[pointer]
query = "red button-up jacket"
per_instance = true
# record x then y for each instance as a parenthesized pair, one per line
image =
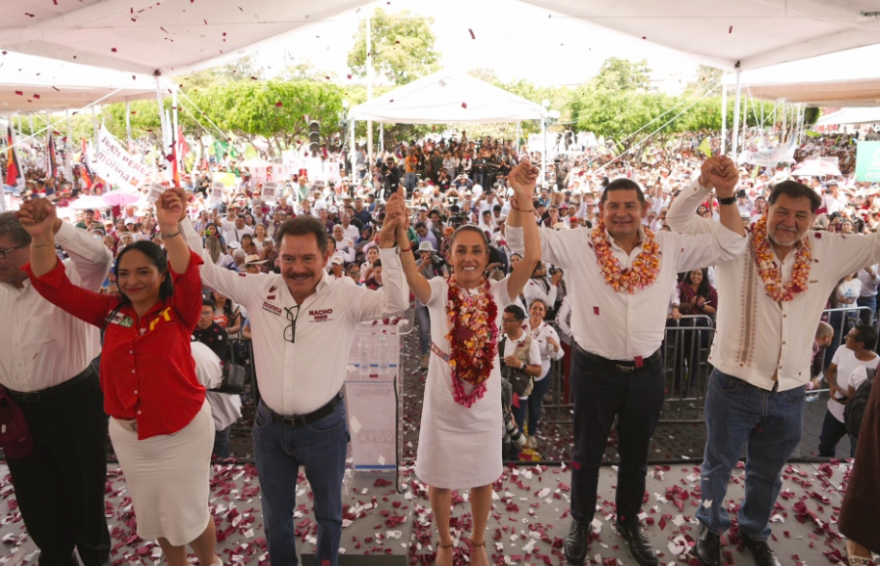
(147, 368)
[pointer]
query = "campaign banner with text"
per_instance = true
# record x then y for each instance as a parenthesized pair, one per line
(868, 162)
(117, 166)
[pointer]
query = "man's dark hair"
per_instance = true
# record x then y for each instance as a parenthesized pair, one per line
(623, 184)
(866, 335)
(209, 302)
(420, 225)
(795, 190)
(516, 311)
(304, 225)
(9, 224)
(377, 263)
(156, 256)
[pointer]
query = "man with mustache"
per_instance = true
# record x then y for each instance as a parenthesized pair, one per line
(771, 298)
(304, 322)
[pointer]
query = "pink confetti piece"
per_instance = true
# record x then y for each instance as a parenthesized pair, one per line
(472, 33)
(37, 96)
(206, 22)
(730, 30)
(464, 105)
(113, 49)
(19, 93)
(56, 88)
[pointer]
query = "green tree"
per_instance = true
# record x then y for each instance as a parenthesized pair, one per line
(622, 75)
(706, 76)
(402, 46)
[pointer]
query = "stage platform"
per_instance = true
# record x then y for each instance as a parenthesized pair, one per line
(527, 525)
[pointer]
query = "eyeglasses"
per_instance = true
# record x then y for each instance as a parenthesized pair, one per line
(4, 253)
(292, 315)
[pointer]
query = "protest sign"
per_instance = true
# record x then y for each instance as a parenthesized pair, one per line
(868, 162)
(117, 166)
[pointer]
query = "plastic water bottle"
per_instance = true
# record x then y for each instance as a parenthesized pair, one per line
(383, 353)
(363, 357)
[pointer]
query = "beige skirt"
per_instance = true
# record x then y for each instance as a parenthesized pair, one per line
(168, 478)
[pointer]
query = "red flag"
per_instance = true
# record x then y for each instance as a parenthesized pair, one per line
(85, 172)
(174, 167)
(182, 146)
(13, 171)
(51, 159)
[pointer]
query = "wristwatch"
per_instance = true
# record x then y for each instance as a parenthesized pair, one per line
(728, 200)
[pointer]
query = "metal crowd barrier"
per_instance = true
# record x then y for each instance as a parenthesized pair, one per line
(686, 368)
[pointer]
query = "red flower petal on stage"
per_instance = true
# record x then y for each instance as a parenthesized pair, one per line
(464, 105)
(113, 49)
(472, 33)
(19, 93)
(37, 96)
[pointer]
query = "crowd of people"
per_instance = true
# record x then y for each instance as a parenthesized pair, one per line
(511, 274)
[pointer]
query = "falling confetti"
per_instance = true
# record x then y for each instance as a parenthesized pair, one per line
(279, 104)
(472, 33)
(254, 79)
(730, 30)
(464, 105)
(56, 88)
(19, 93)
(37, 96)
(113, 49)
(206, 22)
(29, 15)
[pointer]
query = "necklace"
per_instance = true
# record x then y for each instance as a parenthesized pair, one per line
(644, 269)
(473, 336)
(769, 271)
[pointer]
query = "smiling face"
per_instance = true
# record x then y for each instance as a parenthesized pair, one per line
(138, 278)
(301, 263)
(623, 213)
(537, 311)
(788, 220)
(469, 257)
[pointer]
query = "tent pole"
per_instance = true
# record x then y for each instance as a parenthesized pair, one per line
(723, 118)
(95, 125)
(735, 139)
(128, 124)
(381, 138)
(352, 152)
(784, 122)
(544, 152)
(369, 61)
(68, 148)
(176, 130)
(31, 123)
(161, 113)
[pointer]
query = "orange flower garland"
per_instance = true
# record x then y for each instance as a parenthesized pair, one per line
(769, 270)
(473, 337)
(644, 269)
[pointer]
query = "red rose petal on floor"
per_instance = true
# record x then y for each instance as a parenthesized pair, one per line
(472, 33)
(464, 105)
(19, 93)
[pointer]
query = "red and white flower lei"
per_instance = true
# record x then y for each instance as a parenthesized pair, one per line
(473, 337)
(644, 269)
(769, 270)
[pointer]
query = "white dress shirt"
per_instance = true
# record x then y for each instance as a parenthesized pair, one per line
(757, 338)
(548, 353)
(617, 325)
(535, 289)
(43, 345)
(869, 283)
(225, 407)
(301, 377)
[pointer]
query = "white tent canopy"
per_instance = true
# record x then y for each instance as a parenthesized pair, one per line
(836, 80)
(179, 36)
(447, 98)
(46, 84)
(851, 116)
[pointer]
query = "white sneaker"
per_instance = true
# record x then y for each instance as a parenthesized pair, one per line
(533, 442)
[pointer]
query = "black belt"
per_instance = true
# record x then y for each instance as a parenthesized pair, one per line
(303, 420)
(49, 392)
(621, 365)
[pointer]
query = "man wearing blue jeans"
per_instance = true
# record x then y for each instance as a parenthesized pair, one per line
(767, 297)
(617, 333)
(303, 324)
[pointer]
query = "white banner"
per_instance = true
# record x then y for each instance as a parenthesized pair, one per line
(768, 157)
(117, 166)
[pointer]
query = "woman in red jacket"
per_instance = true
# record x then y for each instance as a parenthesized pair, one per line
(161, 425)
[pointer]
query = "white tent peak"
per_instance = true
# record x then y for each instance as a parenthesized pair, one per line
(447, 97)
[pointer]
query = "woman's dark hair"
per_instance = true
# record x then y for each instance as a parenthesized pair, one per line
(468, 228)
(304, 225)
(516, 311)
(703, 289)
(795, 190)
(156, 256)
(623, 184)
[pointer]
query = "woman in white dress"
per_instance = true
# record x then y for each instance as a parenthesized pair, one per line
(460, 435)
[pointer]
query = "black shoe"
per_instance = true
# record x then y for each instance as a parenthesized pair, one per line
(708, 549)
(761, 552)
(639, 545)
(576, 543)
